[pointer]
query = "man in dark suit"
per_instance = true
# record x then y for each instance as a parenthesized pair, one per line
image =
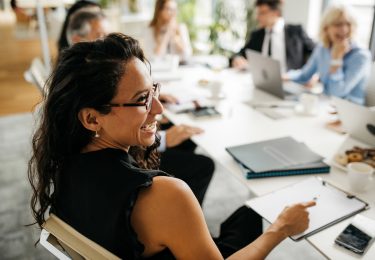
(287, 43)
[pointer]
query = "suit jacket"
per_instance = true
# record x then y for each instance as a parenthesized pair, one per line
(298, 45)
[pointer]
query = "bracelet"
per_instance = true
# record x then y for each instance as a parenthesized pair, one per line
(336, 62)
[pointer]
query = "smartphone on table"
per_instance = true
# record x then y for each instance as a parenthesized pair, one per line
(354, 239)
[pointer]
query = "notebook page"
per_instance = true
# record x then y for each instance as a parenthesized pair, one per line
(331, 203)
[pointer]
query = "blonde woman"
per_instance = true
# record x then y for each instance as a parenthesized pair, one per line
(164, 35)
(343, 67)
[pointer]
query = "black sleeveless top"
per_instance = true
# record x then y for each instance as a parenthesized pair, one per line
(96, 193)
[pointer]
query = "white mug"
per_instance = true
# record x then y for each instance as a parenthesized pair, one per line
(359, 175)
(175, 61)
(216, 87)
(309, 103)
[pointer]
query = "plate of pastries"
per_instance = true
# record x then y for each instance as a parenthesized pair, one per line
(356, 154)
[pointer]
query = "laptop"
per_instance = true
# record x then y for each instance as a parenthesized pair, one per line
(266, 74)
(358, 121)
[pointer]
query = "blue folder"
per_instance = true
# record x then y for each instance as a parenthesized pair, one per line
(277, 157)
(320, 167)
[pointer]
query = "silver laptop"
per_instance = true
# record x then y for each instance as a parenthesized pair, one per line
(358, 121)
(266, 74)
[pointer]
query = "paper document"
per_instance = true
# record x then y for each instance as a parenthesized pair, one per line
(332, 204)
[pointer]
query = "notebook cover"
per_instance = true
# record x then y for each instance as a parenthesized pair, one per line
(253, 175)
(312, 168)
(274, 155)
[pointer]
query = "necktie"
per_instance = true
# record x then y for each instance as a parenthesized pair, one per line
(270, 43)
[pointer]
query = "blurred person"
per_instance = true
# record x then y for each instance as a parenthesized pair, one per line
(102, 102)
(286, 43)
(165, 35)
(342, 66)
(22, 15)
(86, 26)
(86, 5)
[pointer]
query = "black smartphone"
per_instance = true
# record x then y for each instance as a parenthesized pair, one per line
(205, 112)
(354, 239)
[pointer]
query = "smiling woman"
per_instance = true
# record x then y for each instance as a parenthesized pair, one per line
(343, 66)
(131, 121)
(101, 102)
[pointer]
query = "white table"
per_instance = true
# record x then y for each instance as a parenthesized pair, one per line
(241, 124)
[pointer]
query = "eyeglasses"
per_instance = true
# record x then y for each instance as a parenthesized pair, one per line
(152, 93)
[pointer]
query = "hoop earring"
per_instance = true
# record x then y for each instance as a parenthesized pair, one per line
(96, 134)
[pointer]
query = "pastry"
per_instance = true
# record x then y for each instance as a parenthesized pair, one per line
(355, 157)
(341, 159)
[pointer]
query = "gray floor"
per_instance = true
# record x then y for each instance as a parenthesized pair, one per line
(225, 194)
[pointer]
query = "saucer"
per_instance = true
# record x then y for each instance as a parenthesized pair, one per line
(218, 97)
(301, 111)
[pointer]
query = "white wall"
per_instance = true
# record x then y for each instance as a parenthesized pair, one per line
(304, 12)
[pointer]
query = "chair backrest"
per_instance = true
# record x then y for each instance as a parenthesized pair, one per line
(37, 74)
(370, 89)
(65, 242)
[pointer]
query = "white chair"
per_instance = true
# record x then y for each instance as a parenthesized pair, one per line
(66, 243)
(370, 89)
(37, 74)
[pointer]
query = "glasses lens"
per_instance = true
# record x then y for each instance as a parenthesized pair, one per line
(157, 90)
(154, 93)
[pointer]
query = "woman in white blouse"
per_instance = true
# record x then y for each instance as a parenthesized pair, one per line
(164, 35)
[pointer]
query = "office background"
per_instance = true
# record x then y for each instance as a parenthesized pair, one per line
(20, 43)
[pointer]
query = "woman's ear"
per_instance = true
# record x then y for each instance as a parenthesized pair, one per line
(89, 118)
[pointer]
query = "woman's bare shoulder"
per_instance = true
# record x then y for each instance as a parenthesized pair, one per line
(167, 214)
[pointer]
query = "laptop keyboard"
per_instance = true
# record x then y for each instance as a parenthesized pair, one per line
(271, 113)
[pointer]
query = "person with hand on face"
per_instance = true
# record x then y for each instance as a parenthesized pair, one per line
(165, 35)
(101, 102)
(286, 43)
(343, 67)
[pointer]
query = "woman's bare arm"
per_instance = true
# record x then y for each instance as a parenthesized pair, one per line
(167, 215)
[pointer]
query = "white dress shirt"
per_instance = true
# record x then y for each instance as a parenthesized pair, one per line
(277, 36)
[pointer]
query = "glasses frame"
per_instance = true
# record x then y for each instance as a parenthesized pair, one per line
(152, 93)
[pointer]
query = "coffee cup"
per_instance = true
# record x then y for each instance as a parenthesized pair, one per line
(215, 88)
(359, 175)
(309, 103)
(175, 61)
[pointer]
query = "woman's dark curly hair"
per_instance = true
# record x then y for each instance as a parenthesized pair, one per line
(87, 75)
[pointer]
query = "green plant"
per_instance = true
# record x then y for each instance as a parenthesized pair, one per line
(107, 3)
(104, 3)
(186, 14)
(222, 18)
(133, 6)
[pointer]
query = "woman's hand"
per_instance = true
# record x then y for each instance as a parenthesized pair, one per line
(293, 220)
(312, 82)
(340, 48)
(172, 27)
(169, 99)
(180, 133)
(240, 63)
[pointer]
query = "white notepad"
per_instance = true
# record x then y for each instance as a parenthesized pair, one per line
(332, 204)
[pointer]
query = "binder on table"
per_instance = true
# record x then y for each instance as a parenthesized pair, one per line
(332, 204)
(277, 157)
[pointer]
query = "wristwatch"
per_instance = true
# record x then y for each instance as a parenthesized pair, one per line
(336, 62)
